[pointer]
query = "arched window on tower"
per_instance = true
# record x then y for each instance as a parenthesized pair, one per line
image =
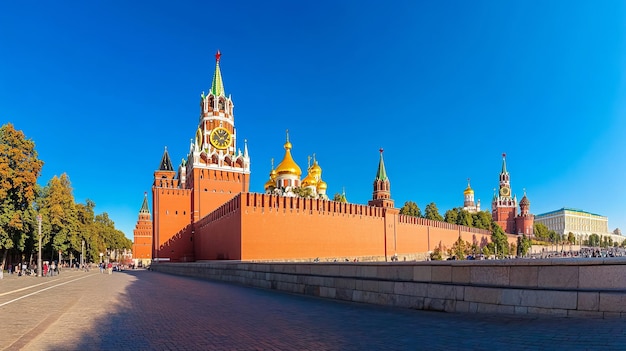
(221, 105)
(211, 103)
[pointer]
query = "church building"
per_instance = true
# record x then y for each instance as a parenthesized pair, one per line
(468, 200)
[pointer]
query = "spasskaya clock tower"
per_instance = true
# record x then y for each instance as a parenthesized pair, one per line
(214, 171)
(504, 206)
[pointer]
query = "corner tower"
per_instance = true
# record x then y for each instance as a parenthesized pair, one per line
(142, 243)
(382, 187)
(503, 206)
(216, 170)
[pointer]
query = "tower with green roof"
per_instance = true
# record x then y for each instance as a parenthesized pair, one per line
(382, 187)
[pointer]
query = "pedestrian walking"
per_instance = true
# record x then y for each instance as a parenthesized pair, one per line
(1, 271)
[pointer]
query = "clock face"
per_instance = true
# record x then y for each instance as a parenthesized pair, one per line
(504, 191)
(220, 138)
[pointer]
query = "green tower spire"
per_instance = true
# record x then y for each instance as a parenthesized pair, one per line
(504, 163)
(381, 174)
(144, 205)
(217, 86)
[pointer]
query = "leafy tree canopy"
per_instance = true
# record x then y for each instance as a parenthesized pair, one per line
(64, 224)
(340, 198)
(19, 170)
(431, 212)
(410, 208)
(542, 232)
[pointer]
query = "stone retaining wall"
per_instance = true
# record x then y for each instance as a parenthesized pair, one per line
(561, 287)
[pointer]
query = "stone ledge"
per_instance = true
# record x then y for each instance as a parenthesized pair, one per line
(547, 287)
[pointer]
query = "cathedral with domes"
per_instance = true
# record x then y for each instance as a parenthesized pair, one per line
(468, 204)
(204, 210)
(285, 179)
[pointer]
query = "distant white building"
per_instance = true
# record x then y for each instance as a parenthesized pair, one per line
(579, 222)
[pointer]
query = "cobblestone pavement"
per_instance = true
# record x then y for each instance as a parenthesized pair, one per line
(144, 310)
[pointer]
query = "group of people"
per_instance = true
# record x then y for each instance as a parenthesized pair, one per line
(21, 269)
(106, 266)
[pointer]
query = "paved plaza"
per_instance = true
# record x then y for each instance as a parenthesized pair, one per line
(145, 310)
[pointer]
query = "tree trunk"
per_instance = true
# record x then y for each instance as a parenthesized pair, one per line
(4, 256)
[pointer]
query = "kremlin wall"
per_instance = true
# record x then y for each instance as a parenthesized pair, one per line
(262, 227)
(205, 211)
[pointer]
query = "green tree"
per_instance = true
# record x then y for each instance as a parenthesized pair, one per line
(305, 192)
(19, 170)
(465, 218)
(60, 221)
(410, 208)
(431, 212)
(594, 240)
(571, 238)
(554, 237)
(499, 241)
(87, 231)
(482, 220)
(436, 255)
(542, 233)
(523, 245)
(112, 238)
(451, 216)
(460, 249)
(339, 198)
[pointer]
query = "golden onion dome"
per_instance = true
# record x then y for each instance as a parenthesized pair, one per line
(468, 191)
(321, 185)
(269, 184)
(309, 180)
(288, 165)
(316, 169)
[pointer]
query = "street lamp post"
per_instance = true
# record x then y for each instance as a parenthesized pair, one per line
(39, 253)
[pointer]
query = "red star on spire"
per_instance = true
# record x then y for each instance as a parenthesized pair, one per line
(381, 150)
(217, 56)
(503, 154)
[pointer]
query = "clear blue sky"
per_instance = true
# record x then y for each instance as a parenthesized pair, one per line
(445, 87)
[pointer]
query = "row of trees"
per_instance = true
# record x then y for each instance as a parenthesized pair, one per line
(543, 233)
(65, 224)
(499, 245)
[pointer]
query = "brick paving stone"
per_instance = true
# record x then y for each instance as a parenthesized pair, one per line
(144, 310)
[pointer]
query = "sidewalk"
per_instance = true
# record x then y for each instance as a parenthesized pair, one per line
(12, 282)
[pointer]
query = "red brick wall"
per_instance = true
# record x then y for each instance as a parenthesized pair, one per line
(505, 217)
(295, 228)
(265, 227)
(218, 235)
(172, 213)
